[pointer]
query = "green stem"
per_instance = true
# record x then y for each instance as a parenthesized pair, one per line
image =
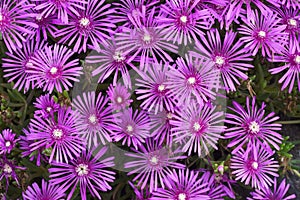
(289, 122)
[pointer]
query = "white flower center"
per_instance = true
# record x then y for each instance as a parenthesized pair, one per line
(169, 115)
(154, 160)
(53, 70)
(57, 133)
(119, 100)
(161, 88)
(39, 17)
(254, 127)
(118, 56)
(254, 165)
(196, 126)
(29, 64)
(82, 169)
(147, 38)
(129, 128)
(297, 59)
(1, 17)
(182, 196)
(84, 21)
(92, 119)
(48, 109)
(262, 34)
(183, 19)
(219, 60)
(192, 80)
(7, 169)
(292, 22)
(7, 143)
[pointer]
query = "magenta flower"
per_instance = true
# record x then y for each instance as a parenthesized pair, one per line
(252, 125)
(254, 165)
(278, 193)
(47, 191)
(7, 141)
(185, 184)
(153, 163)
(8, 171)
(46, 106)
(89, 26)
(119, 97)
(228, 57)
(290, 3)
(62, 8)
(60, 135)
(93, 119)
(291, 67)
(264, 32)
(52, 68)
(88, 171)
(192, 79)
(198, 127)
(132, 127)
(13, 17)
(182, 22)
(18, 62)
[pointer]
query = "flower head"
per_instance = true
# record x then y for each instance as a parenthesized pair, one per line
(7, 141)
(8, 171)
(46, 106)
(119, 97)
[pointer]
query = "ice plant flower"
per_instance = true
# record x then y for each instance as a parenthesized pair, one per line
(132, 127)
(182, 22)
(13, 16)
(119, 97)
(229, 57)
(277, 193)
(291, 68)
(8, 171)
(152, 164)
(52, 68)
(88, 171)
(265, 33)
(94, 118)
(251, 125)
(46, 106)
(89, 26)
(60, 135)
(47, 191)
(7, 141)
(254, 165)
(198, 127)
(152, 88)
(16, 65)
(192, 79)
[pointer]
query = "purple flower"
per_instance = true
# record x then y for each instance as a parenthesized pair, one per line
(264, 32)
(89, 171)
(290, 3)
(47, 191)
(252, 125)
(18, 62)
(46, 106)
(62, 8)
(7, 141)
(13, 16)
(191, 79)
(182, 22)
(60, 135)
(152, 88)
(52, 69)
(94, 118)
(119, 97)
(153, 163)
(291, 67)
(8, 170)
(198, 127)
(278, 193)
(131, 127)
(184, 185)
(254, 165)
(228, 57)
(89, 26)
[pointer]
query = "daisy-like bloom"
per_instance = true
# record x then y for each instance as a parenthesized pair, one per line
(291, 58)
(46, 106)
(13, 17)
(264, 32)
(184, 185)
(182, 22)
(252, 125)
(254, 165)
(62, 8)
(8, 171)
(18, 62)
(132, 127)
(94, 118)
(153, 163)
(191, 79)
(52, 68)
(88, 171)
(91, 26)
(199, 127)
(153, 89)
(145, 39)
(47, 191)
(119, 97)
(7, 141)
(60, 135)
(140, 194)
(111, 60)
(278, 193)
(228, 57)
(290, 3)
